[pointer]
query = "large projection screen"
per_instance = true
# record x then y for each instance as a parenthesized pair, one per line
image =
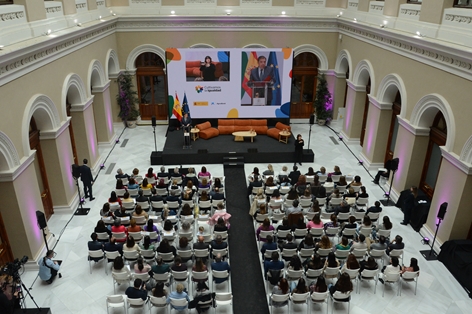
(230, 84)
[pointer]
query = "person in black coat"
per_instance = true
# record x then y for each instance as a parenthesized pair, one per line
(409, 205)
(94, 245)
(299, 143)
(294, 175)
(112, 246)
(87, 179)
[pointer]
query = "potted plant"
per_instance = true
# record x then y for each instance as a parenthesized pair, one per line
(127, 99)
(323, 103)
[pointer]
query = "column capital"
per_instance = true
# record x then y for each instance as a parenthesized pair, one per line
(378, 104)
(415, 130)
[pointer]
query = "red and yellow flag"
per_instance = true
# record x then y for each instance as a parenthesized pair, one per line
(248, 65)
(177, 110)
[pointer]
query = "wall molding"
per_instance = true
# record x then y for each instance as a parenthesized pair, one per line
(53, 134)
(417, 131)
(11, 175)
(455, 160)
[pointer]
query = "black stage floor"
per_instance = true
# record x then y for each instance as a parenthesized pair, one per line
(263, 149)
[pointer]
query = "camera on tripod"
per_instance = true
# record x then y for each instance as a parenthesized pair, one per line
(12, 268)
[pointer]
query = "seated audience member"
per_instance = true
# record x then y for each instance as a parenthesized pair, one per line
(101, 228)
(165, 247)
(131, 245)
(396, 244)
(139, 212)
(178, 266)
(218, 244)
(284, 226)
(276, 201)
(362, 193)
(120, 175)
(281, 288)
(297, 220)
(336, 171)
(138, 291)
(127, 198)
(344, 207)
(342, 181)
(274, 263)
(190, 176)
(168, 228)
(268, 245)
(413, 266)
(361, 244)
(255, 172)
(176, 174)
(370, 264)
(315, 207)
(294, 175)
(391, 269)
(329, 184)
(158, 291)
(150, 174)
(319, 286)
(269, 171)
(132, 184)
(113, 198)
(366, 224)
(179, 293)
(300, 287)
(350, 224)
(351, 263)
(289, 244)
(285, 181)
(384, 173)
(119, 267)
(320, 192)
(343, 285)
(122, 213)
(150, 227)
(385, 225)
(307, 243)
(310, 172)
(270, 182)
(381, 245)
(105, 212)
(204, 184)
(94, 245)
(325, 243)
(133, 227)
(163, 173)
(141, 197)
(174, 196)
(216, 195)
(375, 208)
(186, 210)
(160, 267)
(306, 194)
(120, 185)
(355, 182)
(183, 244)
(295, 208)
(255, 183)
(291, 195)
(331, 262)
(322, 171)
(147, 245)
(145, 185)
(112, 246)
(283, 174)
(265, 226)
(140, 267)
(202, 295)
(258, 201)
(204, 173)
(118, 228)
(220, 265)
(220, 225)
(343, 245)
(314, 262)
(300, 185)
(161, 184)
(332, 223)
(199, 266)
(200, 244)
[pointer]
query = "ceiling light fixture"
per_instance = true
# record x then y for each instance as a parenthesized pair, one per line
(172, 12)
(283, 12)
(48, 32)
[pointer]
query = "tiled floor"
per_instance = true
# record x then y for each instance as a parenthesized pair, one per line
(81, 292)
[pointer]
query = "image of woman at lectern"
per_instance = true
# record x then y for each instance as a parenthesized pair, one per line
(208, 69)
(299, 143)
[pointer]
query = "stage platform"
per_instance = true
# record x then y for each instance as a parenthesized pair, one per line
(264, 149)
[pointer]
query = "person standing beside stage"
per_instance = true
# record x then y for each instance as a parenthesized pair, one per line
(299, 143)
(87, 179)
(409, 205)
(208, 69)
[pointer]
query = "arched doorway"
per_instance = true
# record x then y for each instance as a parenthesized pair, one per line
(152, 86)
(35, 144)
(392, 133)
(304, 82)
(366, 112)
(71, 133)
(346, 87)
(432, 163)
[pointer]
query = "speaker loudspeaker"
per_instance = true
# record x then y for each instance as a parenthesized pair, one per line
(75, 171)
(394, 164)
(312, 119)
(153, 120)
(41, 219)
(442, 211)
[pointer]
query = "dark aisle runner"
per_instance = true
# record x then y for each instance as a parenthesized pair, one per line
(246, 277)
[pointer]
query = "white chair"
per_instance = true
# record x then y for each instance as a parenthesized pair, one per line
(299, 233)
(331, 272)
(222, 252)
(339, 297)
(189, 202)
(137, 236)
(186, 255)
(343, 217)
(140, 220)
(165, 277)
(282, 234)
(353, 274)
(397, 253)
(370, 275)
(119, 278)
(119, 236)
(391, 278)
(288, 253)
(144, 277)
(341, 254)
(377, 254)
(280, 298)
(301, 298)
(381, 232)
(220, 275)
(130, 256)
(293, 275)
(173, 205)
(261, 217)
(223, 298)
(120, 192)
(133, 193)
(313, 273)
(154, 236)
(144, 205)
(138, 179)
(359, 215)
(268, 254)
(356, 188)
(316, 232)
(110, 258)
(161, 191)
(284, 190)
(157, 302)
(203, 254)
(359, 253)
(335, 177)
(178, 303)
(341, 188)
(362, 202)
(349, 232)
(310, 179)
(115, 301)
(167, 257)
(320, 298)
(147, 192)
(95, 256)
(322, 178)
(335, 201)
(157, 205)
(103, 237)
(180, 276)
(323, 252)
(367, 232)
(332, 231)
(223, 234)
(305, 253)
(263, 235)
(198, 276)
(305, 202)
(148, 255)
(277, 216)
(128, 205)
(374, 216)
(409, 276)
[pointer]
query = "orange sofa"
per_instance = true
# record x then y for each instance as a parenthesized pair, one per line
(206, 131)
(228, 126)
(192, 69)
(274, 132)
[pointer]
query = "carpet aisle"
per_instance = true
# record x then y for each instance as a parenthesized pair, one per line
(246, 277)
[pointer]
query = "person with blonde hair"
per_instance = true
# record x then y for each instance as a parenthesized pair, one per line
(179, 293)
(258, 200)
(269, 171)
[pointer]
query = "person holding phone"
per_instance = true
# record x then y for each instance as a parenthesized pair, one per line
(208, 69)
(137, 291)
(48, 269)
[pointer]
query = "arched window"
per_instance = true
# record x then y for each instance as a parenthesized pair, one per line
(152, 86)
(432, 163)
(366, 112)
(304, 81)
(392, 133)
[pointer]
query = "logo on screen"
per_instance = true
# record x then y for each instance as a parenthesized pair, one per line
(199, 89)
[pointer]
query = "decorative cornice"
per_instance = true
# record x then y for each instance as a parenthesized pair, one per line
(22, 61)
(82, 107)
(310, 2)
(51, 10)
(460, 19)
(411, 12)
(442, 56)
(378, 104)
(455, 160)
(53, 134)
(354, 87)
(138, 2)
(201, 2)
(377, 7)
(101, 89)
(11, 175)
(340, 75)
(417, 131)
(255, 2)
(18, 15)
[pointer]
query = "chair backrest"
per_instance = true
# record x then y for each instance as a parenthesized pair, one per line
(391, 277)
(144, 277)
(294, 274)
(352, 273)
(280, 298)
(119, 235)
(200, 275)
(115, 299)
(263, 234)
(396, 253)
(374, 216)
(131, 255)
(299, 232)
(144, 205)
(185, 254)
(137, 236)
(335, 201)
(148, 254)
(220, 274)
(310, 179)
(161, 191)
(140, 220)
(180, 275)
(201, 253)
(313, 273)
(267, 254)
(284, 189)
(369, 273)
(305, 253)
(173, 204)
(335, 177)
(359, 253)
(178, 302)
(261, 217)
(133, 192)
(322, 177)
(365, 231)
(120, 276)
(286, 253)
(112, 255)
(338, 296)
(300, 297)
(319, 296)
(343, 216)
(120, 192)
(321, 201)
(102, 236)
(330, 231)
(362, 201)
(128, 205)
(204, 204)
(341, 188)
(377, 253)
(95, 255)
(223, 298)
(410, 275)
(384, 232)
(341, 254)
(167, 257)
(161, 277)
(223, 252)
(189, 202)
(278, 216)
(153, 235)
(316, 232)
(223, 234)
(159, 302)
(356, 188)
(157, 204)
(349, 232)
(331, 271)
(147, 192)
(359, 215)
(323, 252)
(305, 202)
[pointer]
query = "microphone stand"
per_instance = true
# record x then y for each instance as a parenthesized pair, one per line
(387, 202)
(155, 143)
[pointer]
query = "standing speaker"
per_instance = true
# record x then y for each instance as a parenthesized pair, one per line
(394, 164)
(312, 119)
(75, 171)
(41, 219)
(442, 211)
(153, 120)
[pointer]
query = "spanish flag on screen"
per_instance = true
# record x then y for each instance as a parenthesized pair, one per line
(177, 110)
(249, 62)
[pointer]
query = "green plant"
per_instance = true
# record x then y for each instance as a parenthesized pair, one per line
(323, 103)
(127, 98)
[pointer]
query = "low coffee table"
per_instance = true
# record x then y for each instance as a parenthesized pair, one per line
(284, 136)
(194, 133)
(240, 135)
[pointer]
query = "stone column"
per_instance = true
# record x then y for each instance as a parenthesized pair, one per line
(363, 5)
(92, 4)
(339, 92)
(376, 133)
(432, 10)
(57, 150)
(83, 122)
(342, 4)
(113, 88)
(69, 7)
(103, 113)
(410, 149)
(392, 7)
(355, 103)
(34, 9)
(453, 186)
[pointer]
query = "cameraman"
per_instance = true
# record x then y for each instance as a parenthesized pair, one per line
(48, 269)
(7, 300)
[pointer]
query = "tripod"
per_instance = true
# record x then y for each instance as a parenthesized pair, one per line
(21, 287)
(155, 143)
(430, 255)
(388, 202)
(80, 209)
(309, 137)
